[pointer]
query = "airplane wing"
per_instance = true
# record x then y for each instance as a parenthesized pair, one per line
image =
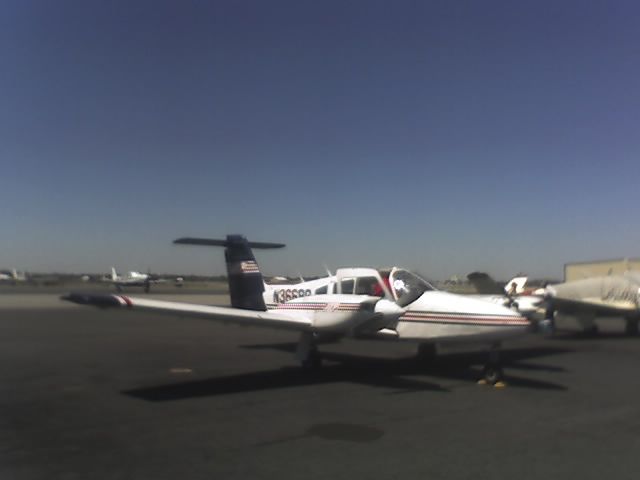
(595, 305)
(613, 295)
(282, 320)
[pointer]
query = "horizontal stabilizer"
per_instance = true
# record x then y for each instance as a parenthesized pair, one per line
(213, 242)
(245, 280)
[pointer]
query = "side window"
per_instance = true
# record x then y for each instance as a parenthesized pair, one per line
(321, 290)
(346, 286)
(368, 286)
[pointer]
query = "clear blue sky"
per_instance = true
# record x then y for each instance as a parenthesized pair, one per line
(442, 136)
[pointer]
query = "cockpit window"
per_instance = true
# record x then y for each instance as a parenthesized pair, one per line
(407, 287)
(321, 290)
(368, 286)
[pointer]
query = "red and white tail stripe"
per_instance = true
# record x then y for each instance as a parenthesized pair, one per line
(249, 266)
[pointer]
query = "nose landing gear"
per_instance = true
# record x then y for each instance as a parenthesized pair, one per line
(492, 373)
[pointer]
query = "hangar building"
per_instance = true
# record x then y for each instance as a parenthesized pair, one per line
(579, 270)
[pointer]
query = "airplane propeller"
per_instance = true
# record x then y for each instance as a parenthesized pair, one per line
(326, 269)
(546, 325)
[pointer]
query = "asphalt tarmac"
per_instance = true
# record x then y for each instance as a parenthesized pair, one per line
(100, 394)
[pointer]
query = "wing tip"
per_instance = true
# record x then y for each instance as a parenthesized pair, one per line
(97, 300)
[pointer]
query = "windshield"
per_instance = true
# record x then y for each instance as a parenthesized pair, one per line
(406, 286)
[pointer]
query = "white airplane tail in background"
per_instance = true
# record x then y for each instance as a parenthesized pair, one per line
(515, 286)
(485, 285)
(114, 274)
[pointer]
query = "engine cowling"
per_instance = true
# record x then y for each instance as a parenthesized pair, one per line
(370, 314)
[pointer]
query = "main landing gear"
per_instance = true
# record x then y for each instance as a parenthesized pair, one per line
(587, 322)
(492, 373)
(631, 327)
(307, 352)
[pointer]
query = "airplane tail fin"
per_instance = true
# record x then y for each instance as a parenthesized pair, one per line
(484, 284)
(114, 274)
(245, 280)
(515, 286)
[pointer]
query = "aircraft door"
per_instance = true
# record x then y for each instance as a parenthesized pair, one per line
(361, 281)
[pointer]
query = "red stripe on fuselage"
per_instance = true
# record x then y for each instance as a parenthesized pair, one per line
(457, 318)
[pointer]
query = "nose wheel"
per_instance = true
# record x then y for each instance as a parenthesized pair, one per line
(492, 373)
(313, 361)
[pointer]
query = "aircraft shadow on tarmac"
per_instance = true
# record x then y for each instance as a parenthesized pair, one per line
(375, 372)
(582, 335)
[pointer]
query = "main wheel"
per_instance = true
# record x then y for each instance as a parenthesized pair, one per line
(631, 328)
(492, 373)
(312, 362)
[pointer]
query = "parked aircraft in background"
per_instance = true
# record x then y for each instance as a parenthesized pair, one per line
(131, 279)
(360, 303)
(590, 298)
(512, 295)
(485, 285)
(12, 276)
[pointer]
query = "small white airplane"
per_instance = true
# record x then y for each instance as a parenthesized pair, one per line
(512, 295)
(394, 305)
(602, 296)
(13, 276)
(131, 279)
